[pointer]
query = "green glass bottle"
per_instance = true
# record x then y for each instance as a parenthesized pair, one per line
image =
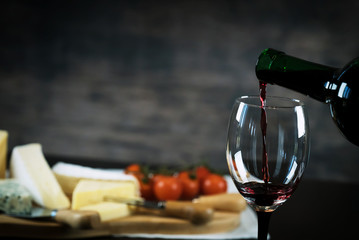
(337, 87)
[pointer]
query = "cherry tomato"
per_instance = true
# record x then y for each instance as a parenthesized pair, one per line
(146, 190)
(190, 185)
(137, 174)
(143, 180)
(214, 184)
(167, 188)
(202, 172)
(133, 168)
(155, 177)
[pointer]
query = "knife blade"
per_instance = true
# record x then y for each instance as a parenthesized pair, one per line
(194, 212)
(77, 219)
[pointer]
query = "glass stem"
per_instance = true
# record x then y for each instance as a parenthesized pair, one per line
(263, 224)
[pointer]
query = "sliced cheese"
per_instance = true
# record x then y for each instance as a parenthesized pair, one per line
(88, 192)
(3, 152)
(109, 210)
(28, 165)
(68, 175)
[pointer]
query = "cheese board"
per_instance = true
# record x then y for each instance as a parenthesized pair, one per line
(138, 223)
(72, 188)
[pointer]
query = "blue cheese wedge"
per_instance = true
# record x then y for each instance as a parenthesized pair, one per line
(14, 198)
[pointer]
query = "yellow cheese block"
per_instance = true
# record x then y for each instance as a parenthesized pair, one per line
(28, 165)
(3, 152)
(109, 210)
(88, 192)
(68, 175)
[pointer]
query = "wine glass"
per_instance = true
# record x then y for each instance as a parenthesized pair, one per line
(267, 152)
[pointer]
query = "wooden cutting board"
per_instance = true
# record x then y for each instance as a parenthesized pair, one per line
(139, 223)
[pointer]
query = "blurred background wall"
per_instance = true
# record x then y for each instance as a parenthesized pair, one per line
(154, 81)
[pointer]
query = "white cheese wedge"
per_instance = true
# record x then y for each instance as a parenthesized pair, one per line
(28, 165)
(68, 175)
(88, 192)
(3, 152)
(109, 210)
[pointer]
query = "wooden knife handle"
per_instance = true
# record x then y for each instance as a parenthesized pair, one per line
(232, 202)
(78, 219)
(195, 213)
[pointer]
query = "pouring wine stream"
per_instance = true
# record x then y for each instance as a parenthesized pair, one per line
(263, 217)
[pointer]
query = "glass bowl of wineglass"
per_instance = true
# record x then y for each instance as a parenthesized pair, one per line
(267, 151)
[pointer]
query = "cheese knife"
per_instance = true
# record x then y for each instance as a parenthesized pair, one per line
(194, 212)
(77, 219)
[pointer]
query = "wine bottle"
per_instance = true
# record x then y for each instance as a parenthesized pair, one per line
(339, 87)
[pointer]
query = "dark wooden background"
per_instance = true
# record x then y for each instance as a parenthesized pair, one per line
(154, 81)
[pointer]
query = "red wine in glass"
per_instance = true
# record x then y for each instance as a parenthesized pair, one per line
(267, 151)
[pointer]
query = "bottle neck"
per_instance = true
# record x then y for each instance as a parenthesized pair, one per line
(306, 77)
